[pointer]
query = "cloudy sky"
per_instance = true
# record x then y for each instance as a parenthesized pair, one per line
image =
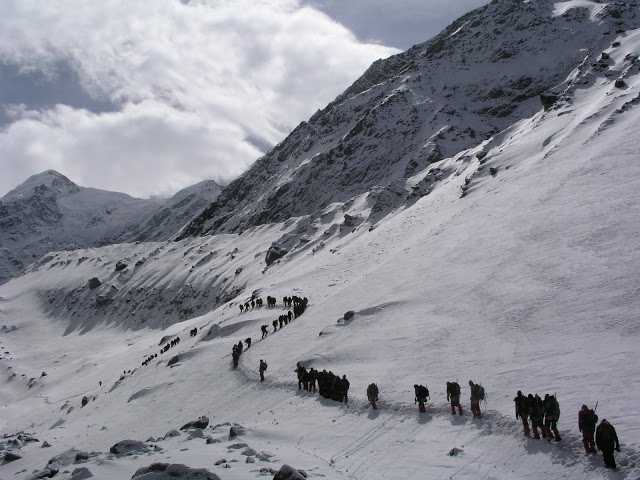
(147, 97)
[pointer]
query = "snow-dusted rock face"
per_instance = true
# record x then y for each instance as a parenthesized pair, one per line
(49, 212)
(177, 211)
(483, 73)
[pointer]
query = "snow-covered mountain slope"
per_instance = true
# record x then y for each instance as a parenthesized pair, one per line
(49, 212)
(526, 281)
(483, 73)
(177, 211)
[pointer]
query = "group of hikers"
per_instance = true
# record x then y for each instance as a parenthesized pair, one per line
(329, 385)
(172, 343)
(543, 415)
(477, 395)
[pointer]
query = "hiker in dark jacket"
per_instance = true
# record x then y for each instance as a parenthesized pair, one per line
(477, 395)
(607, 441)
(422, 393)
(300, 372)
(587, 421)
(551, 417)
(453, 396)
(522, 411)
(262, 369)
(372, 395)
(536, 414)
(345, 389)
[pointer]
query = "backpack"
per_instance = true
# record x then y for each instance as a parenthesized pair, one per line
(455, 388)
(424, 391)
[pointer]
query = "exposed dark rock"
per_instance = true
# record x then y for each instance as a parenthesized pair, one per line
(165, 471)
(275, 252)
(201, 423)
(620, 83)
(9, 457)
(287, 472)
(548, 100)
(129, 447)
(94, 283)
(175, 359)
(236, 431)
(81, 474)
(348, 315)
(120, 265)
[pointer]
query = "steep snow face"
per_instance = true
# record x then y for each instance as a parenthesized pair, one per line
(479, 76)
(529, 281)
(49, 212)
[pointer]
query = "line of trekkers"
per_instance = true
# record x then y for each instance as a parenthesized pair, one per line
(298, 305)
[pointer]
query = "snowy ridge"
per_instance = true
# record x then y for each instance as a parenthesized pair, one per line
(479, 76)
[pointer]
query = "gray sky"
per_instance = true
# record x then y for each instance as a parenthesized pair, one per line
(147, 97)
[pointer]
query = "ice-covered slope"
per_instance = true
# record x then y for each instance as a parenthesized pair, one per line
(529, 281)
(483, 73)
(49, 212)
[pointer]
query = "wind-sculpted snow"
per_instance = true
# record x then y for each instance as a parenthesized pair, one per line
(482, 74)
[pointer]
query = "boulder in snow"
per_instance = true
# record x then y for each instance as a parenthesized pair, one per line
(81, 474)
(94, 283)
(287, 472)
(129, 447)
(165, 471)
(9, 457)
(173, 360)
(120, 265)
(275, 252)
(201, 423)
(236, 431)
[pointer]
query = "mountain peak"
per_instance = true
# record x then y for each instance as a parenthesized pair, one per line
(47, 181)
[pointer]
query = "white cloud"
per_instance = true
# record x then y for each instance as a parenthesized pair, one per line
(194, 87)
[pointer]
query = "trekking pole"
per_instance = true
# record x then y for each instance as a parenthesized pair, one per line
(596, 407)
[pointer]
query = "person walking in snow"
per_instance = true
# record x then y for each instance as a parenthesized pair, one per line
(345, 389)
(422, 394)
(551, 417)
(372, 395)
(607, 442)
(262, 369)
(587, 421)
(248, 342)
(477, 395)
(522, 411)
(536, 414)
(453, 396)
(264, 330)
(300, 373)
